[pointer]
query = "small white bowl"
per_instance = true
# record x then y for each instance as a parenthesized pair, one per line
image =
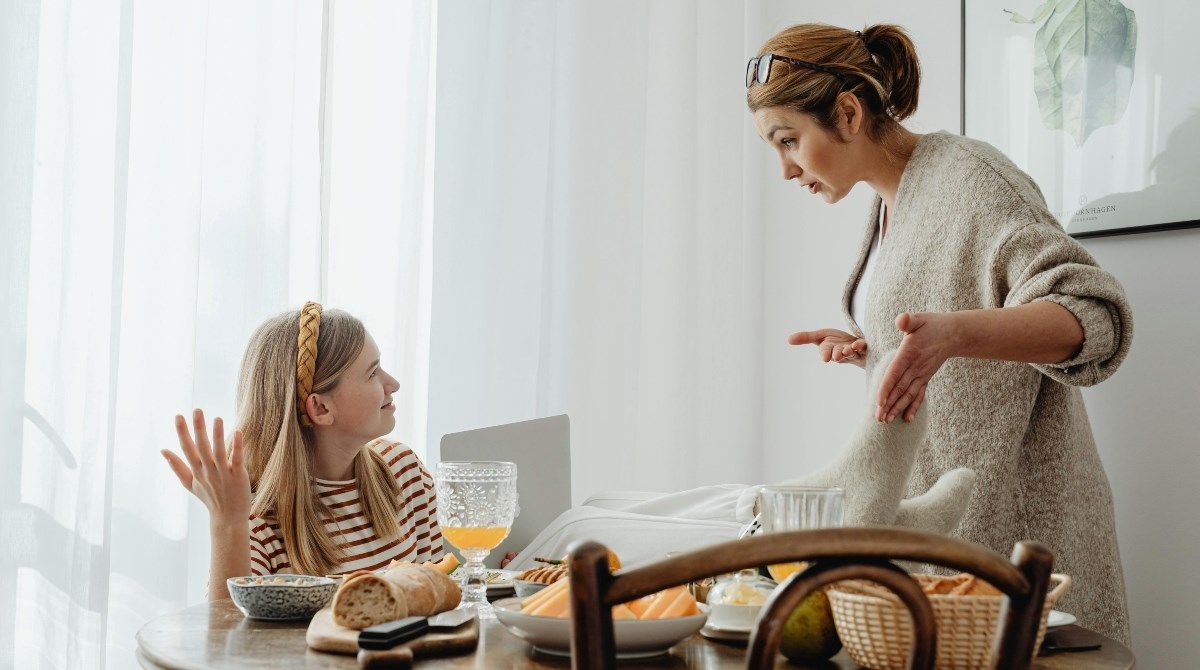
(281, 597)
(733, 617)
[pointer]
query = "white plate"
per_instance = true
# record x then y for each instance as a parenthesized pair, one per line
(499, 582)
(500, 579)
(635, 639)
(1057, 619)
(725, 634)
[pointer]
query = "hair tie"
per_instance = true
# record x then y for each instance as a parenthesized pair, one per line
(306, 356)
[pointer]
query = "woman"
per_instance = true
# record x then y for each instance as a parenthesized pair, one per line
(322, 494)
(998, 316)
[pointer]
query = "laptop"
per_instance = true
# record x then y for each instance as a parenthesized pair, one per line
(541, 448)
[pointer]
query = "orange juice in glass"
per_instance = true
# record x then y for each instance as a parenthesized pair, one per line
(477, 501)
(784, 508)
(463, 537)
(782, 571)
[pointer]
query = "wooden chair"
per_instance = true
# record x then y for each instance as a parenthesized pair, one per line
(833, 554)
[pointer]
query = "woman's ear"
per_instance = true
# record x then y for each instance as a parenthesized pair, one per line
(850, 114)
(319, 409)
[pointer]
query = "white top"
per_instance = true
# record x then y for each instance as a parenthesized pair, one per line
(858, 304)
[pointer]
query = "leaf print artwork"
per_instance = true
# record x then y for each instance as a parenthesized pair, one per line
(1083, 63)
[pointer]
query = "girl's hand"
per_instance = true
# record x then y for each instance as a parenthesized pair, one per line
(928, 341)
(835, 345)
(217, 477)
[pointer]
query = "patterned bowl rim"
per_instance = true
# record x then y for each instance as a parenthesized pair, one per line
(289, 582)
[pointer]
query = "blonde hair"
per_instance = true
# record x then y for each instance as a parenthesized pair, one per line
(878, 65)
(280, 450)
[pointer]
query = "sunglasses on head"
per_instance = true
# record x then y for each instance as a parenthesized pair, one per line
(759, 68)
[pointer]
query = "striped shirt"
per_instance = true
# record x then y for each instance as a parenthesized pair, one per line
(420, 538)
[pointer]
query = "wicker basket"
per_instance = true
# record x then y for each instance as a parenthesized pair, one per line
(876, 628)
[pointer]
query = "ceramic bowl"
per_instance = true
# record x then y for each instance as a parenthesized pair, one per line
(525, 588)
(281, 597)
(634, 638)
(733, 617)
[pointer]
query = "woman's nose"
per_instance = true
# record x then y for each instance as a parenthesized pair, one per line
(790, 169)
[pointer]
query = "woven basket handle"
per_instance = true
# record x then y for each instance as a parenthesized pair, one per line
(1061, 584)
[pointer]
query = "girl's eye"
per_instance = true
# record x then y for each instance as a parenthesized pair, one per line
(789, 142)
(374, 372)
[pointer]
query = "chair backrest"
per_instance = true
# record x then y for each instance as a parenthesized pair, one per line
(541, 448)
(833, 555)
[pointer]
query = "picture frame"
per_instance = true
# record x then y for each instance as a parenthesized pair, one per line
(1096, 99)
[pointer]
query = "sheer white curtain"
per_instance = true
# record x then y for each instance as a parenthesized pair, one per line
(598, 242)
(166, 182)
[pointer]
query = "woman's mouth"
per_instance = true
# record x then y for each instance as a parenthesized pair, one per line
(390, 405)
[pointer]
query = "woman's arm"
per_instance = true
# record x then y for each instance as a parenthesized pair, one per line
(1038, 332)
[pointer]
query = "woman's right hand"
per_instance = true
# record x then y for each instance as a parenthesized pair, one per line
(835, 345)
(216, 476)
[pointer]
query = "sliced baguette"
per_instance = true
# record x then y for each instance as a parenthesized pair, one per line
(405, 590)
(367, 600)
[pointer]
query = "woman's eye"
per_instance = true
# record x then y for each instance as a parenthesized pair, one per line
(374, 372)
(789, 142)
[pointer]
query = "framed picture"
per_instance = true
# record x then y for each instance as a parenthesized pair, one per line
(1098, 100)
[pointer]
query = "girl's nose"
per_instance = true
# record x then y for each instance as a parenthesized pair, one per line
(390, 383)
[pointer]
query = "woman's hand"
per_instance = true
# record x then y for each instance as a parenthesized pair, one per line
(216, 476)
(929, 339)
(835, 345)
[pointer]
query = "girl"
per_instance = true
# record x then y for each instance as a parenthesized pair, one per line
(998, 316)
(322, 493)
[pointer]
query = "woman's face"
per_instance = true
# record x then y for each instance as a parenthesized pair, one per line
(807, 152)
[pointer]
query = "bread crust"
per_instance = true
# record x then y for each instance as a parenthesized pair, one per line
(406, 590)
(367, 599)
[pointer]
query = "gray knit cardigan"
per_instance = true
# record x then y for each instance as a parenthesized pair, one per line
(971, 231)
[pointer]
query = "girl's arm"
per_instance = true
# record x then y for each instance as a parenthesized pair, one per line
(230, 554)
(219, 479)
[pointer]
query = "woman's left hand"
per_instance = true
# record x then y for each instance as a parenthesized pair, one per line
(928, 341)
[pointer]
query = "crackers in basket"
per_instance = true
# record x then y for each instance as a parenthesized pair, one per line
(962, 584)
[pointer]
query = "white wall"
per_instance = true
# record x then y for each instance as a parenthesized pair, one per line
(1142, 417)
(1144, 422)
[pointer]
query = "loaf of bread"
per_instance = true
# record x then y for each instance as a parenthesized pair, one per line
(366, 598)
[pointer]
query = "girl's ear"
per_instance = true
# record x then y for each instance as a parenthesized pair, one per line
(850, 113)
(319, 409)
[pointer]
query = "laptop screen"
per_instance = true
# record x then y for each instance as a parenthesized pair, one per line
(541, 448)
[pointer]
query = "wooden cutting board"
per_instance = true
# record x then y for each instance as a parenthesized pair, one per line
(325, 635)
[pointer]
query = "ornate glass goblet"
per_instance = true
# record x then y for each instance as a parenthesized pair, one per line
(477, 501)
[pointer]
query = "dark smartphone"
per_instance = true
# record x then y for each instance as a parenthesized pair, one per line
(1068, 639)
(392, 633)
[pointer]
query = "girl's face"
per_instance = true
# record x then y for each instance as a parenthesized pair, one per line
(362, 399)
(807, 152)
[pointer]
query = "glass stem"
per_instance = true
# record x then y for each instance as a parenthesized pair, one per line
(475, 577)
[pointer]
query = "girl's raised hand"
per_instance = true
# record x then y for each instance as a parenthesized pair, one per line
(213, 474)
(835, 345)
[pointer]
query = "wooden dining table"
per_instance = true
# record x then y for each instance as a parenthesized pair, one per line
(217, 635)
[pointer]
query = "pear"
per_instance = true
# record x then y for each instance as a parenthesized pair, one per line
(809, 634)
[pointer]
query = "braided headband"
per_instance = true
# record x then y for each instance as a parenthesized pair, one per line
(306, 356)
